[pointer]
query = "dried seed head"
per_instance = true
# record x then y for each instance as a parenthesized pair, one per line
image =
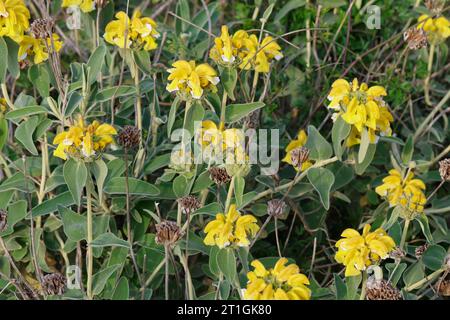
(420, 250)
(27, 292)
(276, 207)
(3, 220)
(444, 169)
(416, 38)
(299, 156)
(101, 3)
(42, 28)
(397, 254)
(189, 204)
(435, 6)
(219, 175)
(168, 233)
(443, 288)
(54, 284)
(381, 290)
(129, 137)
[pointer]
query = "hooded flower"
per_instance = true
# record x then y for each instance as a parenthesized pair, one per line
(362, 107)
(437, 29)
(260, 55)
(83, 141)
(191, 80)
(14, 19)
(357, 252)
(403, 190)
(84, 5)
(278, 283)
(230, 229)
(295, 144)
(128, 33)
(37, 48)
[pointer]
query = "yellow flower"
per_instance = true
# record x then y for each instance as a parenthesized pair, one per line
(404, 191)
(135, 32)
(294, 144)
(85, 5)
(362, 107)
(224, 49)
(278, 283)
(83, 141)
(191, 80)
(30, 46)
(230, 229)
(14, 19)
(437, 29)
(357, 252)
(260, 55)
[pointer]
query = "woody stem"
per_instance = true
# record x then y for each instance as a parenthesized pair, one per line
(404, 233)
(426, 84)
(89, 255)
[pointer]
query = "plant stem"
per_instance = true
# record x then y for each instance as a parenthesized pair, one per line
(89, 255)
(364, 285)
(426, 84)
(166, 276)
(222, 110)
(424, 280)
(229, 195)
(404, 233)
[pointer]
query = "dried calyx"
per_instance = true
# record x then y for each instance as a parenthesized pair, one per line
(444, 169)
(275, 207)
(129, 137)
(54, 284)
(381, 290)
(189, 204)
(219, 175)
(168, 233)
(42, 28)
(299, 156)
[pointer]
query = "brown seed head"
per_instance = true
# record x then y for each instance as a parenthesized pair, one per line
(443, 288)
(381, 290)
(129, 137)
(415, 38)
(275, 207)
(189, 204)
(42, 28)
(168, 233)
(3, 220)
(299, 156)
(54, 284)
(444, 169)
(219, 175)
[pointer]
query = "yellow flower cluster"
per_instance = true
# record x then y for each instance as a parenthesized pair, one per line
(437, 29)
(137, 32)
(84, 5)
(245, 50)
(362, 107)
(190, 80)
(83, 141)
(14, 19)
(280, 283)
(357, 252)
(30, 46)
(294, 144)
(231, 229)
(403, 190)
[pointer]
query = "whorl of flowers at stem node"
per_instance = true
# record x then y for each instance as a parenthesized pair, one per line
(275, 207)
(168, 233)
(129, 137)
(299, 156)
(189, 204)
(415, 38)
(3, 220)
(54, 284)
(42, 28)
(444, 169)
(219, 175)
(381, 290)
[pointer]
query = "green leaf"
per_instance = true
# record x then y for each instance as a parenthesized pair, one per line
(288, 7)
(99, 279)
(203, 182)
(74, 224)
(39, 76)
(235, 112)
(119, 91)
(3, 60)
(64, 199)
(364, 145)
(109, 240)
(213, 265)
(341, 288)
(142, 59)
(95, 62)
(25, 112)
(318, 146)
(226, 261)
(228, 78)
(339, 133)
(195, 114)
(415, 272)
(172, 115)
(408, 150)
(73, 102)
(180, 186)
(122, 291)
(75, 175)
(395, 275)
(434, 257)
(322, 180)
(3, 132)
(100, 170)
(423, 221)
(136, 187)
(13, 63)
(352, 286)
(239, 185)
(360, 168)
(24, 134)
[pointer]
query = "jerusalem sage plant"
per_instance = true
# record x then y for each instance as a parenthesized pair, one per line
(260, 150)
